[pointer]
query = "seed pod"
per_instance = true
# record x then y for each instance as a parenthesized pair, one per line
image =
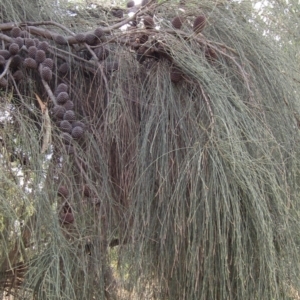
(18, 75)
(66, 138)
(40, 56)
(69, 105)
(29, 42)
(43, 46)
(58, 111)
(87, 191)
(101, 52)
(90, 39)
(69, 115)
(63, 69)
(15, 32)
(19, 41)
(118, 13)
(177, 22)
(63, 191)
(80, 37)
(65, 126)
(77, 132)
(148, 22)
(48, 62)
(99, 32)
(59, 39)
(16, 62)
(62, 87)
(24, 34)
(5, 54)
(13, 48)
(199, 23)
(46, 74)
(62, 97)
(2, 60)
(130, 4)
(67, 218)
(143, 38)
(175, 74)
(3, 83)
(79, 123)
(30, 63)
(32, 51)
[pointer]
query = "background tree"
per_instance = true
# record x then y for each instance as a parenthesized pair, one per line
(159, 161)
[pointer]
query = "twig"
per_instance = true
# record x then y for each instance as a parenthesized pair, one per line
(16, 88)
(208, 106)
(47, 87)
(48, 23)
(6, 38)
(7, 26)
(48, 34)
(31, 27)
(43, 106)
(6, 68)
(66, 54)
(46, 125)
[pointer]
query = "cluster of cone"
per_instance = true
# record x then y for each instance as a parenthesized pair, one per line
(198, 26)
(66, 214)
(156, 51)
(65, 117)
(23, 53)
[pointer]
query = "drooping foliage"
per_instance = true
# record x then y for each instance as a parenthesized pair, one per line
(156, 161)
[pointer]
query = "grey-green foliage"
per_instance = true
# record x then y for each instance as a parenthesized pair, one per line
(199, 180)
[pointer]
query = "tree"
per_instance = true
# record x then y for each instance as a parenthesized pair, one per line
(157, 162)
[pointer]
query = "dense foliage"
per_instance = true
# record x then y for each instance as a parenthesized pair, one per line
(149, 151)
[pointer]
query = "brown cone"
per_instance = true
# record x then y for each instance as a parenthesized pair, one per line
(59, 39)
(13, 48)
(46, 74)
(177, 22)
(67, 218)
(148, 22)
(199, 23)
(175, 75)
(63, 191)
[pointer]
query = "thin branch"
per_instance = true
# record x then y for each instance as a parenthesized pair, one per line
(16, 88)
(6, 38)
(46, 125)
(208, 106)
(48, 23)
(6, 68)
(47, 87)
